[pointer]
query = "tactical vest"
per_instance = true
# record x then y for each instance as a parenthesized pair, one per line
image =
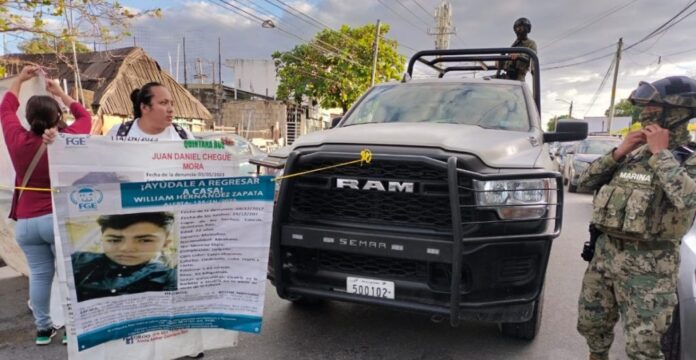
(633, 206)
(125, 127)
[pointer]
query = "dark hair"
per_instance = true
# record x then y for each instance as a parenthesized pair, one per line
(43, 112)
(119, 222)
(142, 96)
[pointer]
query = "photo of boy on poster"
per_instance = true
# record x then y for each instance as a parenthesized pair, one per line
(132, 260)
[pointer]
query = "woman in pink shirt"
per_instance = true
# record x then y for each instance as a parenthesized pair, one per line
(32, 210)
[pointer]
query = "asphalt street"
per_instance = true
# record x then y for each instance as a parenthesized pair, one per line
(347, 331)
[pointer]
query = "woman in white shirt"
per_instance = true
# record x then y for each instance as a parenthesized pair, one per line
(153, 110)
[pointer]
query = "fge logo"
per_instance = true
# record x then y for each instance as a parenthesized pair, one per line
(86, 198)
(75, 140)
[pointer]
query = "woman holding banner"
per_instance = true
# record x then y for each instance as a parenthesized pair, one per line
(31, 203)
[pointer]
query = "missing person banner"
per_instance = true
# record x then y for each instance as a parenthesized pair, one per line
(157, 240)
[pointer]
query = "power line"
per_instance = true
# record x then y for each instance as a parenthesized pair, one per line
(401, 16)
(256, 18)
(324, 43)
(665, 26)
(289, 9)
(601, 86)
(553, 62)
(424, 9)
(660, 29)
(412, 13)
(578, 63)
(582, 27)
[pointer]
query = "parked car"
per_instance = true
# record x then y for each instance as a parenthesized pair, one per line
(579, 157)
(243, 149)
(678, 342)
(559, 154)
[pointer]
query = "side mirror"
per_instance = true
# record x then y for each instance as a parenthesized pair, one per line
(335, 121)
(567, 130)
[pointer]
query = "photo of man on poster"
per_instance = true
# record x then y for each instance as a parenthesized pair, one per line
(137, 255)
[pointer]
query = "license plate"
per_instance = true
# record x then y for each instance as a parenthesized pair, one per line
(370, 287)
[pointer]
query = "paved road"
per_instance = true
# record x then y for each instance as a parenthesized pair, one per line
(347, 331)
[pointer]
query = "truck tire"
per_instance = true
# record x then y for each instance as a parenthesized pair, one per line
(525, 330)
(671, 340)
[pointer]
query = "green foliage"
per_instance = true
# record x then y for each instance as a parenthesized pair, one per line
(625, 108)
(551, 125)
(42, 45)
(336, 66)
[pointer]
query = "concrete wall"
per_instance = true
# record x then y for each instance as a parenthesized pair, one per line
(256, 117)
(254, 75)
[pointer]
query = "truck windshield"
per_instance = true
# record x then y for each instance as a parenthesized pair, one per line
(491, 106)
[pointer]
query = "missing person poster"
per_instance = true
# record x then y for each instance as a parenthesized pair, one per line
(157, 241)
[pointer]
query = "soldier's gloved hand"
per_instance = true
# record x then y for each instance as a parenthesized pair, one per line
(630, 142)
(657, 138)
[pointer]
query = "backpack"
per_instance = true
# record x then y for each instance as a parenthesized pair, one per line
(124, 129)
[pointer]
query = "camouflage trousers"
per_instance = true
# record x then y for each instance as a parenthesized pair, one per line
(638, 285)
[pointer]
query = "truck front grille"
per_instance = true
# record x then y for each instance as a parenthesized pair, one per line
(316, 198)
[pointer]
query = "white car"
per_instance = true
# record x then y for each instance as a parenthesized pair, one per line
(243, 149)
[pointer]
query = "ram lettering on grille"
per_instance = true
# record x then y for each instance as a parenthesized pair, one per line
(390, 186)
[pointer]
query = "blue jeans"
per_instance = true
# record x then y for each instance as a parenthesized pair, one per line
(35, 237)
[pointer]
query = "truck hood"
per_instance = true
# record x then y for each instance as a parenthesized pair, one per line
(496, 148)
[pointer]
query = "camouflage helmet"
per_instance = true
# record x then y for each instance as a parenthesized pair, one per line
(675, 94)
(678, 91)
(525, 23)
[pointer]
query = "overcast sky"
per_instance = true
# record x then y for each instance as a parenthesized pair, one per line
(563, 29)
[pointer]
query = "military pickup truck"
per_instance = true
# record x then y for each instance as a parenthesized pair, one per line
(455, 214)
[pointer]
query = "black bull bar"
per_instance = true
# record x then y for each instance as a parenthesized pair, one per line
(284, 288)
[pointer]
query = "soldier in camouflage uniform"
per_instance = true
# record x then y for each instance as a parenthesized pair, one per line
(645, 203)
(517, 68)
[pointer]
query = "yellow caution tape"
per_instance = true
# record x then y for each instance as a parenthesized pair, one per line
(26, 188)
(365, 158)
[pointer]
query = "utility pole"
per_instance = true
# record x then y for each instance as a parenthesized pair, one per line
(185, 77)
(375, 50)
(199, 71)
(219, 91)
(443, 28)
(613, 86)
(570, 111)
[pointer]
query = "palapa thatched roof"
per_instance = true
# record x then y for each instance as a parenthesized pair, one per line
(108, 78)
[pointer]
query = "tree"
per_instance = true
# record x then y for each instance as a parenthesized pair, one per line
(106, 20)
(551, 125)
(68, 20)
(336, 66)
(42, 45)
(625, 108)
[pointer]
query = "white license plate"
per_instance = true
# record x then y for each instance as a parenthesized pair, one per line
(370, 287)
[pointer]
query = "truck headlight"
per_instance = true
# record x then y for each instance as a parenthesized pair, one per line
(516, 199)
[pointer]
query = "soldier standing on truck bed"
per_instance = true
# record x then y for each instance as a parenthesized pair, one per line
(516, 69)
(645, 203)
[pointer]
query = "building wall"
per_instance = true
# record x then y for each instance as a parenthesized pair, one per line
(254, 75)
(255, 118)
